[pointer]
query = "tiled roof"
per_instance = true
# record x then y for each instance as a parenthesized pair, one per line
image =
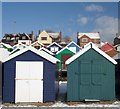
(90, 35)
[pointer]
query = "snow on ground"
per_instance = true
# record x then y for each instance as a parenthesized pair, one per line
(62, 97)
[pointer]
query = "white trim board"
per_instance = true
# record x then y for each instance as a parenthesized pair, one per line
(91, 45)
(73, 43)
(54, 43)
(42, 54)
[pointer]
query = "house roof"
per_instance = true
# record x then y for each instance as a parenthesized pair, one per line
(18, 35)
(54, 35)
(106, 49)
(64, 49)
(42, 54)
(55, 44)
(38, 43)
(90, 35)
(46, 50)
(73, 43)
(91, 45)
(6, 45)
(19, 45)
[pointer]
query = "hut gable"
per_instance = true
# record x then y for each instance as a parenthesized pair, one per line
(91, 45)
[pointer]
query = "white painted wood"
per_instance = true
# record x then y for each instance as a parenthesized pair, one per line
(29, 81)
(36, 95)
(22, 91)
(73, 49)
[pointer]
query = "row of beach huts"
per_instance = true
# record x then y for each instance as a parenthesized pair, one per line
(29, 74)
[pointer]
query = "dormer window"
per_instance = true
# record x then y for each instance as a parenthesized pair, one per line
(8, 38)
(23, 37)
(43, 38)
(84, 39)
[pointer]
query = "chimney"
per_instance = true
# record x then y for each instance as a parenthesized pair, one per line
(38, 32)
(60, 36)
(32, 34)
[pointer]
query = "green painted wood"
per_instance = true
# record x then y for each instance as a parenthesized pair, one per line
(58, 56)
(91, 76)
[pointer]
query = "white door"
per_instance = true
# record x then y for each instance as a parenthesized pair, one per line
(29, 81)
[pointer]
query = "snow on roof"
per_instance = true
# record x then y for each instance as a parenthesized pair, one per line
(91, 45)
(6, 45)
(54, 43)
(64, 49)
(90, 35)
(3, 54)
(42, 54)
(54, 35)
(73, 43)
(19, 45)
(38, 43)
(46, 50)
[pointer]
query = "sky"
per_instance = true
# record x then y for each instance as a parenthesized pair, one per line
(67, 17)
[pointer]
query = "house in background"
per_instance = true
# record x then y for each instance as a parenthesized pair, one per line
(73, 47)
(84, 38)
(117, 47)
(54, 47)
(37, 45)
(47, 38)
(6, 46)
(109, 49)
(32, 71)
(63, 55)
(90, 75)
(117, 39)
(19, 38)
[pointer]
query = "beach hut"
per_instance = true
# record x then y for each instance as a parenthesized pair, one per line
(73, 47)
(6, 46)
(54, 47)
(63, 55)
(4, 53)
(47, 51)
(90, 75)
(30, 76)
(37, 45)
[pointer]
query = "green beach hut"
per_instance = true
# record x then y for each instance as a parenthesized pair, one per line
(63, 55)
(90, 75)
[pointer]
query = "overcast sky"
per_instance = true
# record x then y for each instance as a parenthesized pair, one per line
(67, 17)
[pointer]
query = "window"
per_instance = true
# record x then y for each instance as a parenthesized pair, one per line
(43, 38)
(84, 39)
(23, 37)
(8, 38)
(54, 49)
(17, 38)
(37, 47)
(23, 42)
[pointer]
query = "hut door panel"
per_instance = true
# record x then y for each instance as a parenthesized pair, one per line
(64, 57)
(36, 91)
(84, 80)
(90, 82)
(29, 81)
(22, 91)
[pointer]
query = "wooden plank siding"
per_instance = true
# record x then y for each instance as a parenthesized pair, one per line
(49, 77)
